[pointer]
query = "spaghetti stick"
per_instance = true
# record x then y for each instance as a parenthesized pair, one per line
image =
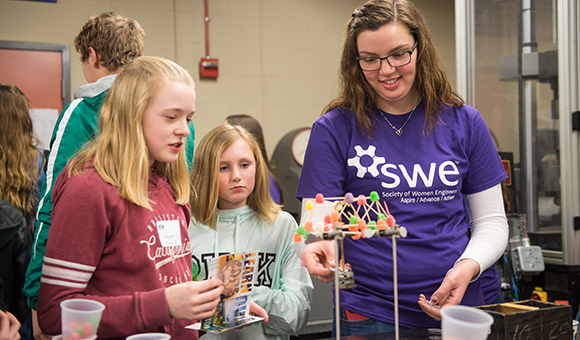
(342, 254)
(387, 208)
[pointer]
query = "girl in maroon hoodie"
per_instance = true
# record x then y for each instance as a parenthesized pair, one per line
(120, 217)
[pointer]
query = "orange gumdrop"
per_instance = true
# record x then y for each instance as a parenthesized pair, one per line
(297, 237)
(381, 224)
(355, 230)
(308, 226)
(334, 216)
(362, 225)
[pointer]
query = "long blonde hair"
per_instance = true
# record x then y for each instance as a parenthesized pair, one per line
(431, 82)
(19, 154)
(120, 155)
(205, 173)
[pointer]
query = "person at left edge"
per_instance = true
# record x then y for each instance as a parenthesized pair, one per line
(21, 177)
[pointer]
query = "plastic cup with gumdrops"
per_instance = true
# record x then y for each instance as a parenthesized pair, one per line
(80, 318)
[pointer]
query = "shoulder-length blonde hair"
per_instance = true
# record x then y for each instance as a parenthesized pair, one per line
(19, 155)
(205, 173)
(431, 82)
(120, 155)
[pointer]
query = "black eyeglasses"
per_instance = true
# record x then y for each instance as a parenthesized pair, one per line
(395, 60)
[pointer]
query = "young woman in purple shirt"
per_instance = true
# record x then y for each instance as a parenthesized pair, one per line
(398, 128)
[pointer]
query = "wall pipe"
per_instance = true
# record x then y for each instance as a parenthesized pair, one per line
(206, 29)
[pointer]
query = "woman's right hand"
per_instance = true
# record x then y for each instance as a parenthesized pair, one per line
(318, 258)
(193, 300)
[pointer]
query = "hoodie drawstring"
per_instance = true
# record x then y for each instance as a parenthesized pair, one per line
(216, 236)
(237, 223)
(216, 239)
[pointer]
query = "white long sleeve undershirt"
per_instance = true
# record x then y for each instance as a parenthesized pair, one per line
(489, 227)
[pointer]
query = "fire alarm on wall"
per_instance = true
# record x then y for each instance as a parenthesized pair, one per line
(208, 68)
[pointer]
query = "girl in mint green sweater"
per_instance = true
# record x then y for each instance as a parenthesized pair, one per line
(232, 211)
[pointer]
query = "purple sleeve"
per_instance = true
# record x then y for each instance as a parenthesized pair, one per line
(485, 168)
(324, 170)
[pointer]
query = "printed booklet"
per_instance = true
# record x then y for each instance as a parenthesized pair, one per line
(236, 271)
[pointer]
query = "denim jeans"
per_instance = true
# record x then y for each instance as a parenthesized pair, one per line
(26, 329)
(498, 299)
(358, 327)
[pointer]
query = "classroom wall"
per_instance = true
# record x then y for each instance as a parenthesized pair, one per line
(278, 59)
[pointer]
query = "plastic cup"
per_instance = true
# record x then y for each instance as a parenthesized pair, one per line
(80, 319)
(149, 336)
(575, 328)
(464, 323)
(60, 337)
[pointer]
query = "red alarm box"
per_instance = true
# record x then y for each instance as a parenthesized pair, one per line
(208, 68)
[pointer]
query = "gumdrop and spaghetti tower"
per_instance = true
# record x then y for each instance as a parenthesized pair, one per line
(325, 219)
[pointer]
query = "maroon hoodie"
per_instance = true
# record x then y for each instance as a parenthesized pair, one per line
(104, 248)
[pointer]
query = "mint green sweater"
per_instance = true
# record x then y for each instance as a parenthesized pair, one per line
(282, 286)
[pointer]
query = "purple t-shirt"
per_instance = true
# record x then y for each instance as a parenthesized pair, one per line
(423, 180)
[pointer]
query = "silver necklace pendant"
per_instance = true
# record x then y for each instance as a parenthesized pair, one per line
(398, 131)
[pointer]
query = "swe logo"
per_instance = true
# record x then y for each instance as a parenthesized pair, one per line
(373, 168)
(447, 171)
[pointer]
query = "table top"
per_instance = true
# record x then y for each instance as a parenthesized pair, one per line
(404, 334)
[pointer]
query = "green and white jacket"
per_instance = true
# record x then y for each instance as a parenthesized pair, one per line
(282, 286)
(77, 124)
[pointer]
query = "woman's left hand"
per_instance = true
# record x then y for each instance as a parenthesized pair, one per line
(452, 289)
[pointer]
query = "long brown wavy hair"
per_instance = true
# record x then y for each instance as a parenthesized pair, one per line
(19, 153)
(431, 82)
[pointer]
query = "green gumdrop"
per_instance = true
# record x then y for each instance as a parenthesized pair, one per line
(300, 230)
(374, 196)
(353, 219)
(372, 225)
(381, 217)
(80, 330)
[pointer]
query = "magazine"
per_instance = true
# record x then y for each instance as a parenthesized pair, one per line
(236, 271)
